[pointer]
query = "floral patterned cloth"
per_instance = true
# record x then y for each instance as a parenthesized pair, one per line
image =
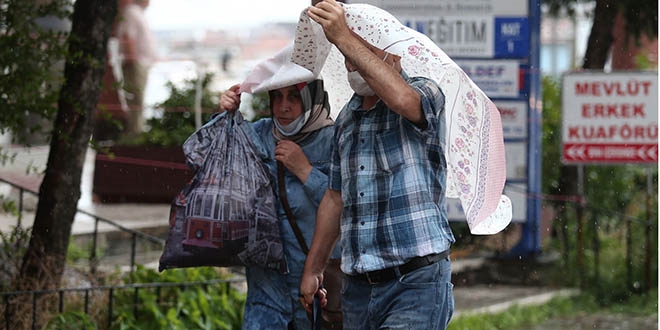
(475, 145)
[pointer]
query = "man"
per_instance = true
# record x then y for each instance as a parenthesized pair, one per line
(387, 186)
(138, 52)
(388, 178)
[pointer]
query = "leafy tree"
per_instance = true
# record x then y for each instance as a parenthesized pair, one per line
(45, 257)
(32, 50)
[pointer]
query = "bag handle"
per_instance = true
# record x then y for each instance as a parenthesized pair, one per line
(287, 208)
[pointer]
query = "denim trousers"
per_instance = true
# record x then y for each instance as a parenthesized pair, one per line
(272, 301)
(422, 299)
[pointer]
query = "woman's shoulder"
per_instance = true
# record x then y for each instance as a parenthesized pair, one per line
(263, 125)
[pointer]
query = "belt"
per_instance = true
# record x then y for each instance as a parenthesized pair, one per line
(388, 274)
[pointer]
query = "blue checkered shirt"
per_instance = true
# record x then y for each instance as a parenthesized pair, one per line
(392, 178)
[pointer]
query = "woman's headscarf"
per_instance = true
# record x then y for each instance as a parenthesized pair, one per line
(278, 72)
(476, 168)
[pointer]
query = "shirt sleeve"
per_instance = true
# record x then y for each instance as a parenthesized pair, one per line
(334, 176)
(316, 184)
(433, 103)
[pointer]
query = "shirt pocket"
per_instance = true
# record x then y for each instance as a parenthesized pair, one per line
(389, 151)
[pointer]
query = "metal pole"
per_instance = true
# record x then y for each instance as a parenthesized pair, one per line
(580, 219)
(647, 261)
(628, 253)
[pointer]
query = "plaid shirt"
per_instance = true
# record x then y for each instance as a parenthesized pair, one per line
(392, 178)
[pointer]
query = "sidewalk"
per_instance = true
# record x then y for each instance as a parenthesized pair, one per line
(25, 171)
(468, 299)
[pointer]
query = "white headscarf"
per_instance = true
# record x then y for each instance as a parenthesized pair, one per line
(475, 145)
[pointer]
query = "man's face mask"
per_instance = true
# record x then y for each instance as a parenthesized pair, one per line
(359, 85)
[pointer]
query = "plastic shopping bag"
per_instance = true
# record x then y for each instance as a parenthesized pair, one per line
(225, 216)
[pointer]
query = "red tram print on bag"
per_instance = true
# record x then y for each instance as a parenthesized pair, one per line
(225, 216)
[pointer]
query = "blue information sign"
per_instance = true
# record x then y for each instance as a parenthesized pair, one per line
(511, 37)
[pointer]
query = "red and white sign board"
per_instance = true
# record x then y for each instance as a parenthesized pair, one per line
(610, 117)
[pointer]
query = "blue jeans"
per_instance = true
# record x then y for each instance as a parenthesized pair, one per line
(421, 299)
(272, 301)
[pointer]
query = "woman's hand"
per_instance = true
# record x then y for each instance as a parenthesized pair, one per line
(292, 156)
(230, 100)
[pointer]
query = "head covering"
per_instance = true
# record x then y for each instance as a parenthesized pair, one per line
(476, 168)
(278, 72)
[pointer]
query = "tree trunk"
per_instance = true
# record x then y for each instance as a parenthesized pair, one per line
(45, 257)
(598, 49)
(601, 36)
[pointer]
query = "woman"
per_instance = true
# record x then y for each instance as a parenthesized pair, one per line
(298, 136)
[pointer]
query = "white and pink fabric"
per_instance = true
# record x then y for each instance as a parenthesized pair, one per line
(276, 72)
(474, 142)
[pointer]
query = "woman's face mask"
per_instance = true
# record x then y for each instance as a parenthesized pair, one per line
(293, 127)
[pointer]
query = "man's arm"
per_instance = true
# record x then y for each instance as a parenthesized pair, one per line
(380, 76)
(326, 234)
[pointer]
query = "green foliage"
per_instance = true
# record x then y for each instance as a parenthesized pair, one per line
(76, 253)
(12, 248)
(551, 138)
(71, 321)
(518, 317)
(31, 60)
(218, 306)
(175, 118)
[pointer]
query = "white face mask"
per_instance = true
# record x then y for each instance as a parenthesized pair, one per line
(359, 85)
(293, 127)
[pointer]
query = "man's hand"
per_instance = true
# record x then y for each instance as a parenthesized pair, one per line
(330, 15)
(309, 286)
(230, 100)
(292, 156)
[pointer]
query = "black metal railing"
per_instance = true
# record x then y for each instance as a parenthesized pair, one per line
(93, 256)
(37, 315)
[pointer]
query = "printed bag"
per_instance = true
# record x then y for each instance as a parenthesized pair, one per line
(225, 216)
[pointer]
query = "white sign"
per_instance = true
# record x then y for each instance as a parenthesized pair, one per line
(518, 195)
(514, 118)
(462, 36)
(497, 78)
(465, 28)
(516, 160)
(610, 117)
(452, 7)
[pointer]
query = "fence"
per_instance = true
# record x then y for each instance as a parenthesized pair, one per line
(584, 241)
(99, 303)
(41, 307)
(136, 236)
